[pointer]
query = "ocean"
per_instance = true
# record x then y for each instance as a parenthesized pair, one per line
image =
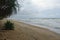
(49, 23)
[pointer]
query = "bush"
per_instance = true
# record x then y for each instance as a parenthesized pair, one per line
(9, 26)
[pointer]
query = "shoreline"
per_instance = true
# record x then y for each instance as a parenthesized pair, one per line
(46, 27)
(25, 31)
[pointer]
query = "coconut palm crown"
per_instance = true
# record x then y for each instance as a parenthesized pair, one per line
(7, 7)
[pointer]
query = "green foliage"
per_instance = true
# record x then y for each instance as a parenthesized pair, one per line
(7, 7)
(9, 26)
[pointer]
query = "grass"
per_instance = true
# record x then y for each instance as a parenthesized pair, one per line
(9, 26)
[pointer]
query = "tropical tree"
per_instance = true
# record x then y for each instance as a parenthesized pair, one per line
(7, 7)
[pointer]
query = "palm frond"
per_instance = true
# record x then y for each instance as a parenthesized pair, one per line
(7, 7)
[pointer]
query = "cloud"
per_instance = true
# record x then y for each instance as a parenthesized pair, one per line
(39, 9)
(46, 4)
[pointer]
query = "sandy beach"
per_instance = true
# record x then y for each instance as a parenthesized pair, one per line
(25, 31)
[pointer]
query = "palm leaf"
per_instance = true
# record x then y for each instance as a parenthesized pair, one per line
(7, 7)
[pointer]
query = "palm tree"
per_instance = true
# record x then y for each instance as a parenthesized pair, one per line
(7, 7)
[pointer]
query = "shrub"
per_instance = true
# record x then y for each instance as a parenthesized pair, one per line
(9, 26)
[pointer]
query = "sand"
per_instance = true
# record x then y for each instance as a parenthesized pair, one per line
(25, 31)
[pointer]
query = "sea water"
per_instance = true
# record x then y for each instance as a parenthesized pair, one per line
(51, 24)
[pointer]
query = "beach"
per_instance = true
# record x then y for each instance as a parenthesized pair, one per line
(52, 24)
(25, 31)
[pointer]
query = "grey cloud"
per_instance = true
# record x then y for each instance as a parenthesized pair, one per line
(29, 10)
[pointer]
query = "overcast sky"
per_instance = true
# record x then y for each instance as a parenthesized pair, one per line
(38, 9)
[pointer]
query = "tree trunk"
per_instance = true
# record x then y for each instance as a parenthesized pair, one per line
(1, 24)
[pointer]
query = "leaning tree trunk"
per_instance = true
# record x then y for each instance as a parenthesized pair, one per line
(1, 24)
